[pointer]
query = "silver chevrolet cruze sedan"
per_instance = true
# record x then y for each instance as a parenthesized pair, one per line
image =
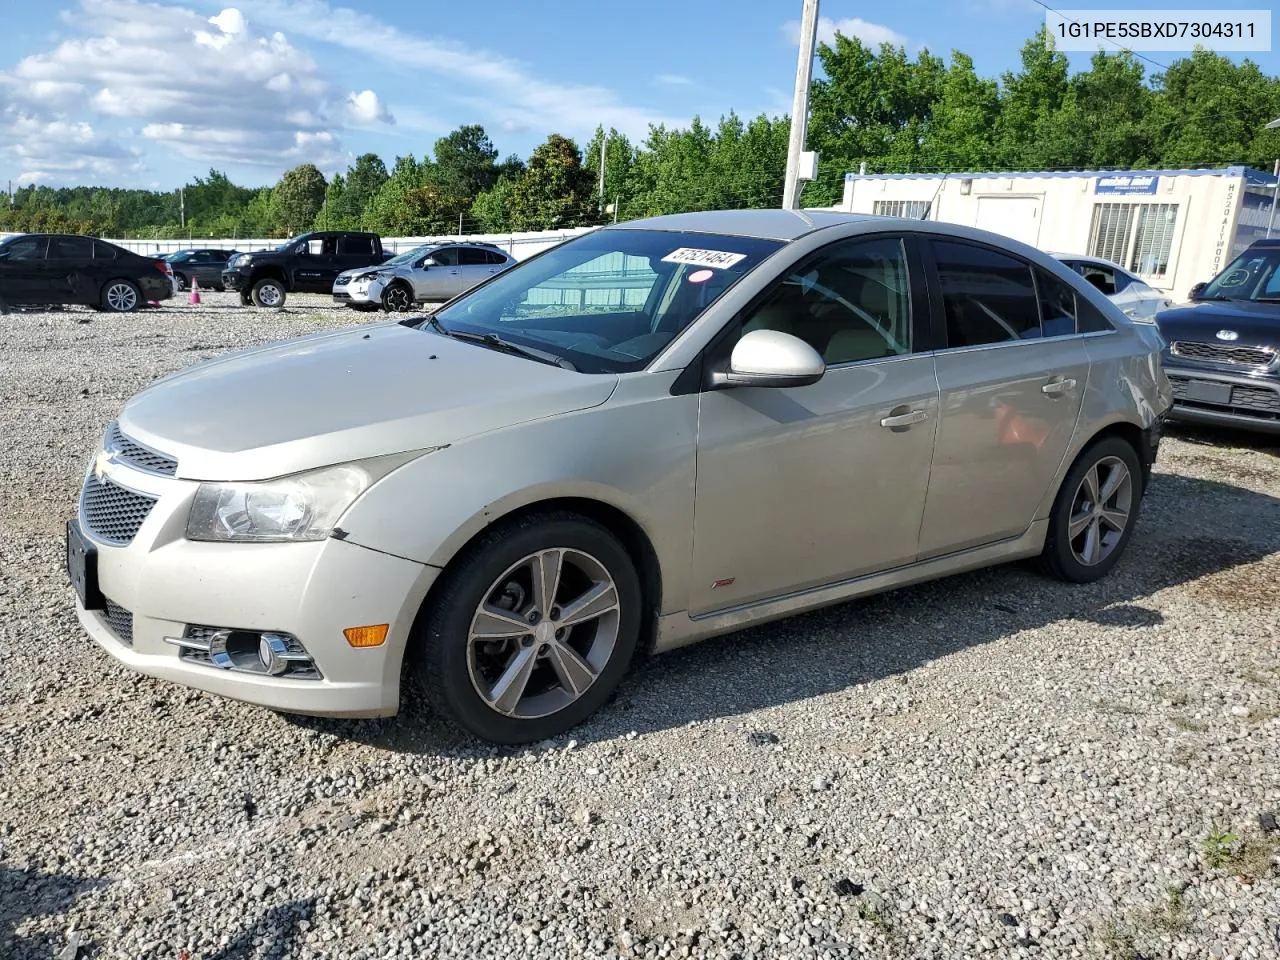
(653, 433)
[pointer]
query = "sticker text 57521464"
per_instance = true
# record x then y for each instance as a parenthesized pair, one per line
(719, 259)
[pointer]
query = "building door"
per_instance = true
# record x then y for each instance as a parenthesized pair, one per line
(1016, 217)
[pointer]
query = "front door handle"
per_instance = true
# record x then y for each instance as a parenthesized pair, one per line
(905, 419)
(1056, 388)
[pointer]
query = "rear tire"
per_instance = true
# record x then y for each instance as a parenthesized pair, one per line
(270, 293)
(181, 281)
(1094, 514)
(492, 591)
(121, 296)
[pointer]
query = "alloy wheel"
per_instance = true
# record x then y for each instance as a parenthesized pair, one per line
(543, 633)
(121, 297)
(1100, 511)
(397, 299)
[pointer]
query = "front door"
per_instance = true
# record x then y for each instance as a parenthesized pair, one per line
(1012, 379)
(22, 271)
(799, 487)
(441, 277)
(71, 270)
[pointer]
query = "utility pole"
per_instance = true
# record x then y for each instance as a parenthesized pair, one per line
(182, 207)
(800, 104)
(604, 146)
(459, 224)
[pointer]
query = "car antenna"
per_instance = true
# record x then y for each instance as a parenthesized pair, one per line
(929, 208)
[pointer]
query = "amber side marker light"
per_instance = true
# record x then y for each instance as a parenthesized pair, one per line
(374, 636)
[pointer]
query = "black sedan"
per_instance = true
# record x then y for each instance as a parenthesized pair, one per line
(203, 266)
(41, 268)
(1223, 353)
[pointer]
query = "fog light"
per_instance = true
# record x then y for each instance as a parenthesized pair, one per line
(273, 650)
(372, 636)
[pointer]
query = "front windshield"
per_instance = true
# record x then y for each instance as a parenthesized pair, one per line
(412, 255)
(609, 300)
(1251, 276)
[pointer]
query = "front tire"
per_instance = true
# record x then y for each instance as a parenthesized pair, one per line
(270, 293)
(181, 282)
(121, 296)
(1094, 514)
(397, 298)
(532, 628)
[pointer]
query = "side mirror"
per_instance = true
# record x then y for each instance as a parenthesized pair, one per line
(1196, 290)
(771, 358)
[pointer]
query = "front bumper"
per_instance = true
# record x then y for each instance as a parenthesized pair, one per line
(234, 280)
(161, 583)
(1250, 402)
(359, 293)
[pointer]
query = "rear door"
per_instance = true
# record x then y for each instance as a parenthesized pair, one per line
(22, 271)
(1012, 376)
(473, 266)
(71, 269)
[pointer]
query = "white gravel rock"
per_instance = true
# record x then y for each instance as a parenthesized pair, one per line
(992, 765)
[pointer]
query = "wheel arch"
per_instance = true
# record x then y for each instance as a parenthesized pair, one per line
(1142, 439)
(269, 273)
(629, 532)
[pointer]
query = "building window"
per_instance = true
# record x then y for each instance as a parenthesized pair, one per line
(910, 209)
(1136, 235)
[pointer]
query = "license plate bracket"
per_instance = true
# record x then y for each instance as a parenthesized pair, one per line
(82, 568)
(1209, 391)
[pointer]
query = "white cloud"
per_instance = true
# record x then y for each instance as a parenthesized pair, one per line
(206, 88)
(673, 80)
(507, 92)
(872, 34)
(365, 108)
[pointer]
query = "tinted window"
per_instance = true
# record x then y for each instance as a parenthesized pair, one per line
(27, 248)
(1089, 319)
(988, 296)
(493, 256)
(470, 256)
(362, 246)
(1057, 305)
(104, 251)
(445, 258)
(70, 248)
(851, 303)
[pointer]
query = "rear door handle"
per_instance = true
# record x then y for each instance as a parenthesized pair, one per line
(905, 419)
(1056, 388)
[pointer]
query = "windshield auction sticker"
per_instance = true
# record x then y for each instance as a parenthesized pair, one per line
(1169, 30)
(719, 259)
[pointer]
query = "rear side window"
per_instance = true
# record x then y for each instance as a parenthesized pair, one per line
(1089, 319)
(493, 256)
(104, 251)
(470, 257)
(988, 297)
(355, 245)
(70, 248)
(1057, 305)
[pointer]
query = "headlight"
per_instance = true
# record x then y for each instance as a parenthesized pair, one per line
(241, 260)
(305, 506)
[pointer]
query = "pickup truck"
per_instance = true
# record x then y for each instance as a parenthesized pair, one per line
(305, 264)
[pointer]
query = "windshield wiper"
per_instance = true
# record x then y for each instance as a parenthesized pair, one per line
(496, 342)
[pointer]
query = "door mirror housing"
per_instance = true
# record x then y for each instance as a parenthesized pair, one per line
(771, 358)
(1196, 290)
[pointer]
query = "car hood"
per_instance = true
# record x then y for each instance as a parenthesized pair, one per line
(345, 395)
(1256, 324)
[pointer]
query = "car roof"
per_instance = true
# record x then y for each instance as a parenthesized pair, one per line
(1273, 242)
(761, 224)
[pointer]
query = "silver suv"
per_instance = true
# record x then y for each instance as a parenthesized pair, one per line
(652, 433)
(433, 272)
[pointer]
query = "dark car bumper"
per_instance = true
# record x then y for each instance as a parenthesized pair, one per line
(154, 289)
(235, 280)
(1225, 399)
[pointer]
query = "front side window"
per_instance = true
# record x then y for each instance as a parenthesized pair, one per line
(1250, 276)
(988, 297)
(26, 248)
(610, 300)
(444, 258)
(851, 303)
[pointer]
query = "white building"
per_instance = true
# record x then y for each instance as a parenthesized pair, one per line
(1172, 227)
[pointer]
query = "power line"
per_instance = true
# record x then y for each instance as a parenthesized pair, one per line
(1108, 39)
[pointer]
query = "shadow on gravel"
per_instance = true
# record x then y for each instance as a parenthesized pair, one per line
(1190, 531)
(271, 935)
(1224, 437)
(26, 894)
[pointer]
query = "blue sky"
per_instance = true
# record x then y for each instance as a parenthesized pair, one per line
(149, 94)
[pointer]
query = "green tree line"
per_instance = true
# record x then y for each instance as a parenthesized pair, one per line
(880, 107)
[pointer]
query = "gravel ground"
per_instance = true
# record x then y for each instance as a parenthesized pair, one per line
(992, 764)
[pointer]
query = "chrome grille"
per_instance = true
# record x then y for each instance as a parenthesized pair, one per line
(1219, 353)
(1255, 398)
(136, 455)
(120, 621)
(111, 512)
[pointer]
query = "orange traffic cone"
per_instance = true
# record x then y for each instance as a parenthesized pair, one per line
(195, 290)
